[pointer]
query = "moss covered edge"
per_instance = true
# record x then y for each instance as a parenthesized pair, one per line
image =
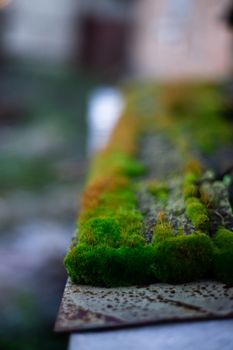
(111, 248)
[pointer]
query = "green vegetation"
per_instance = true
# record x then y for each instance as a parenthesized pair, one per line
(112, 248)
(106, 266)
(190, 189)
(32, 174)
(180, 258)
(197, 112)
(162, 232)
(183, 258)
(223, 256)
(171, 259)
(101, 231)
(196, 211)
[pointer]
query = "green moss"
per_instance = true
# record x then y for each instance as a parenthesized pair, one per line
(135, 240)
(223, 256)
(105, 266)
(109, 204)
(131, 222)
(158, 189)
(197, 213)
(70, 263)
(119, 198)
(161, 233)
(84, 264)
(131, 167)
(183, 258)
(190, 190)
(177, 259)
(224, 238)
(190, 178)
(200, 108)
(102, 231)
(125, 164)
(217, 133)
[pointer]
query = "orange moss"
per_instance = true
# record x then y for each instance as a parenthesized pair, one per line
(123, 138)
(162, 218)
(91, 196)
(193, 166)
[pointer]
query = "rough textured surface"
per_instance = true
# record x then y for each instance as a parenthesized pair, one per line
(160, 157)
(163, 162)
(89, 308)
(220, 211)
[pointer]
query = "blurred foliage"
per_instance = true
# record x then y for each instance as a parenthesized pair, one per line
(54, 100)
(31, 174)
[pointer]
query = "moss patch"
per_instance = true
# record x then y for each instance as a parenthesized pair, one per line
(183, 258)
(196, 211)
(113, 248)
(223, 256)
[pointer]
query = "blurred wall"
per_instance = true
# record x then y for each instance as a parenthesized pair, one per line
(55, 30)
(39, 29)
(181, 38)
(103, 30)
(170, 38)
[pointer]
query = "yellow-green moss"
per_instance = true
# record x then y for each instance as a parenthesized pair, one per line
(196, 211)
(161, 233)
(223, 256)
(101, 231)
(176, 260)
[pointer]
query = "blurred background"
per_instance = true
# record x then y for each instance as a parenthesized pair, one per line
(61, 62)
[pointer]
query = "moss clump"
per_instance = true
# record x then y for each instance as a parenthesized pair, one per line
(197, 213)
(116, 164)
(183, 258)
(195, 209)
(131, 222)
(161, 233)
(175, 260)
(100, 230)
(128, 165)
(121, 198)
(190, 190)
(134, 240)
(198, 107)
(223, 256)
(190, 178)
(105, 266)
